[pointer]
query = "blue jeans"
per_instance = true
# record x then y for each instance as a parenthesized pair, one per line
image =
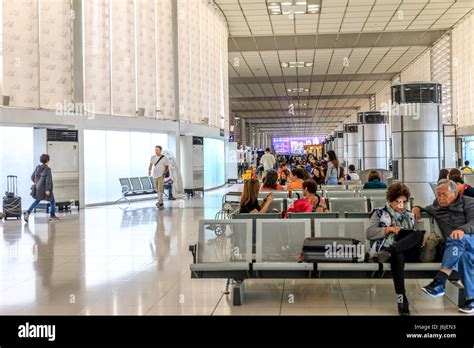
(52, 205)
(459, 256)
(332, 181)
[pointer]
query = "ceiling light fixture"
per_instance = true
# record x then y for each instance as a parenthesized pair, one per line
(294, 7)
(297, 90)
(296, 64)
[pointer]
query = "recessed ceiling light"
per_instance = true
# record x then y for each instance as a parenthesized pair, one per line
(296, 64)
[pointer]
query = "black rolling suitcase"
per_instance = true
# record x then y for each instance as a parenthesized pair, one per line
(11, 201)
(333, 249)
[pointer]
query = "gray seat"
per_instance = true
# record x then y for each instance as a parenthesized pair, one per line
(373, 193)
(341, 193)
(136, 185)
(146, 184)
(333, 188)
(357, 215)
(377, 202)
(223, 245)
(313, 215)
(349, 204)
(279, 243)
(347, 267)
(275, 194)
(278, 203)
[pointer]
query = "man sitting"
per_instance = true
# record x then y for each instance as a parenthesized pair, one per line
(455, 217)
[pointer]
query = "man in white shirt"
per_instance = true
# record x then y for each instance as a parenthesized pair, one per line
(268, 161)
(160, 166)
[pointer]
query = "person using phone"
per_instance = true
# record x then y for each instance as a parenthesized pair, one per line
(385, 234)
(249, 198)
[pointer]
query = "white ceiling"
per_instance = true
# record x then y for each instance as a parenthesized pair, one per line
(258, 84)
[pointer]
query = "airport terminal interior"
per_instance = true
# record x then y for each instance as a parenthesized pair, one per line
(174, 151)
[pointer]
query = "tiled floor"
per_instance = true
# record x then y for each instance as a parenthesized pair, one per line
(119, 260)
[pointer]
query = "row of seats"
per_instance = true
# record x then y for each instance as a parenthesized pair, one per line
(226, 246)
(337, 204)
(136, 186)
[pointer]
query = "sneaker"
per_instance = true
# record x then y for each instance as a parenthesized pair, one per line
(161, 206)
(26, 216)
(53, 218)
(434, 289)
(157, 204)
(383, 256)
(467, 307)
(172, 199)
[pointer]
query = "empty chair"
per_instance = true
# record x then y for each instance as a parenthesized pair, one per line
(126, 186)
(275, 194)
(373, 193)
(223, 245)
(278, 203)
(357, 215)
(146, 184)
(345, 193)
(353, 182)
(330, 215)
(279, 244)
(349, 204)
(377, 202)
(136, 185)
(333, 187)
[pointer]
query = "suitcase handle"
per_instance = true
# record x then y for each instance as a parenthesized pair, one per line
(12, 184)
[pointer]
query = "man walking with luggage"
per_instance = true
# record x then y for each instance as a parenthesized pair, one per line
(160, 165)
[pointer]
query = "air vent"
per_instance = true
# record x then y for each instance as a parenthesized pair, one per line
(62, 135)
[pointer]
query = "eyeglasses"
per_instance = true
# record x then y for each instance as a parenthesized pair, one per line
(444, 194)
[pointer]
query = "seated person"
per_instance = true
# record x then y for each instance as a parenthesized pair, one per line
(454, 172)
(352, 175)
(296, 179)
(374, 181)
(284, 175)
(443, 174)
(318, 174)
(249, 199)
(168, 185)
(271, 182)
(455, 217)
(463, 189)
(383, 235)
(312, 202)
(466, 169)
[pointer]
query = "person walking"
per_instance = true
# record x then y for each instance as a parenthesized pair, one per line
(42, 189)
(268, 161)
(160, 165)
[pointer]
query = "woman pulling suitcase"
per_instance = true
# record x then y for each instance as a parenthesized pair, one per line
(42, 189)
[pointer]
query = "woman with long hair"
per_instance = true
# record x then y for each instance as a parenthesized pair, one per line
(333, 172)
(271, 182)
(249, 198)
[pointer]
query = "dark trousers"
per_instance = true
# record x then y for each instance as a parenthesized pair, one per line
(404, 250)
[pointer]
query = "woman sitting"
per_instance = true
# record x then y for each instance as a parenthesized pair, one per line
(296, 179)
(271, 182)
(374, 181)
(284, 175)
(249, 199)
(312, 202)
(393, 237)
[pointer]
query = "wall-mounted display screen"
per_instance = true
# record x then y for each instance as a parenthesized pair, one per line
(293, 145)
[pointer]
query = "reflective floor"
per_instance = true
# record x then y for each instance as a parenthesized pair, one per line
(135, 260)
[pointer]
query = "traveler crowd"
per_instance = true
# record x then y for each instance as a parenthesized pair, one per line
(393, 234)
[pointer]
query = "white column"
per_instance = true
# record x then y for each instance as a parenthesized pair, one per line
(243, 134)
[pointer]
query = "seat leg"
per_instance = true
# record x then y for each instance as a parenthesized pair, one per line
(226, 291)
(238, 293)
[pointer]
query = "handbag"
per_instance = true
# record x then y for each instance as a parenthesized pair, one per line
(428, 252)
(33, 191)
